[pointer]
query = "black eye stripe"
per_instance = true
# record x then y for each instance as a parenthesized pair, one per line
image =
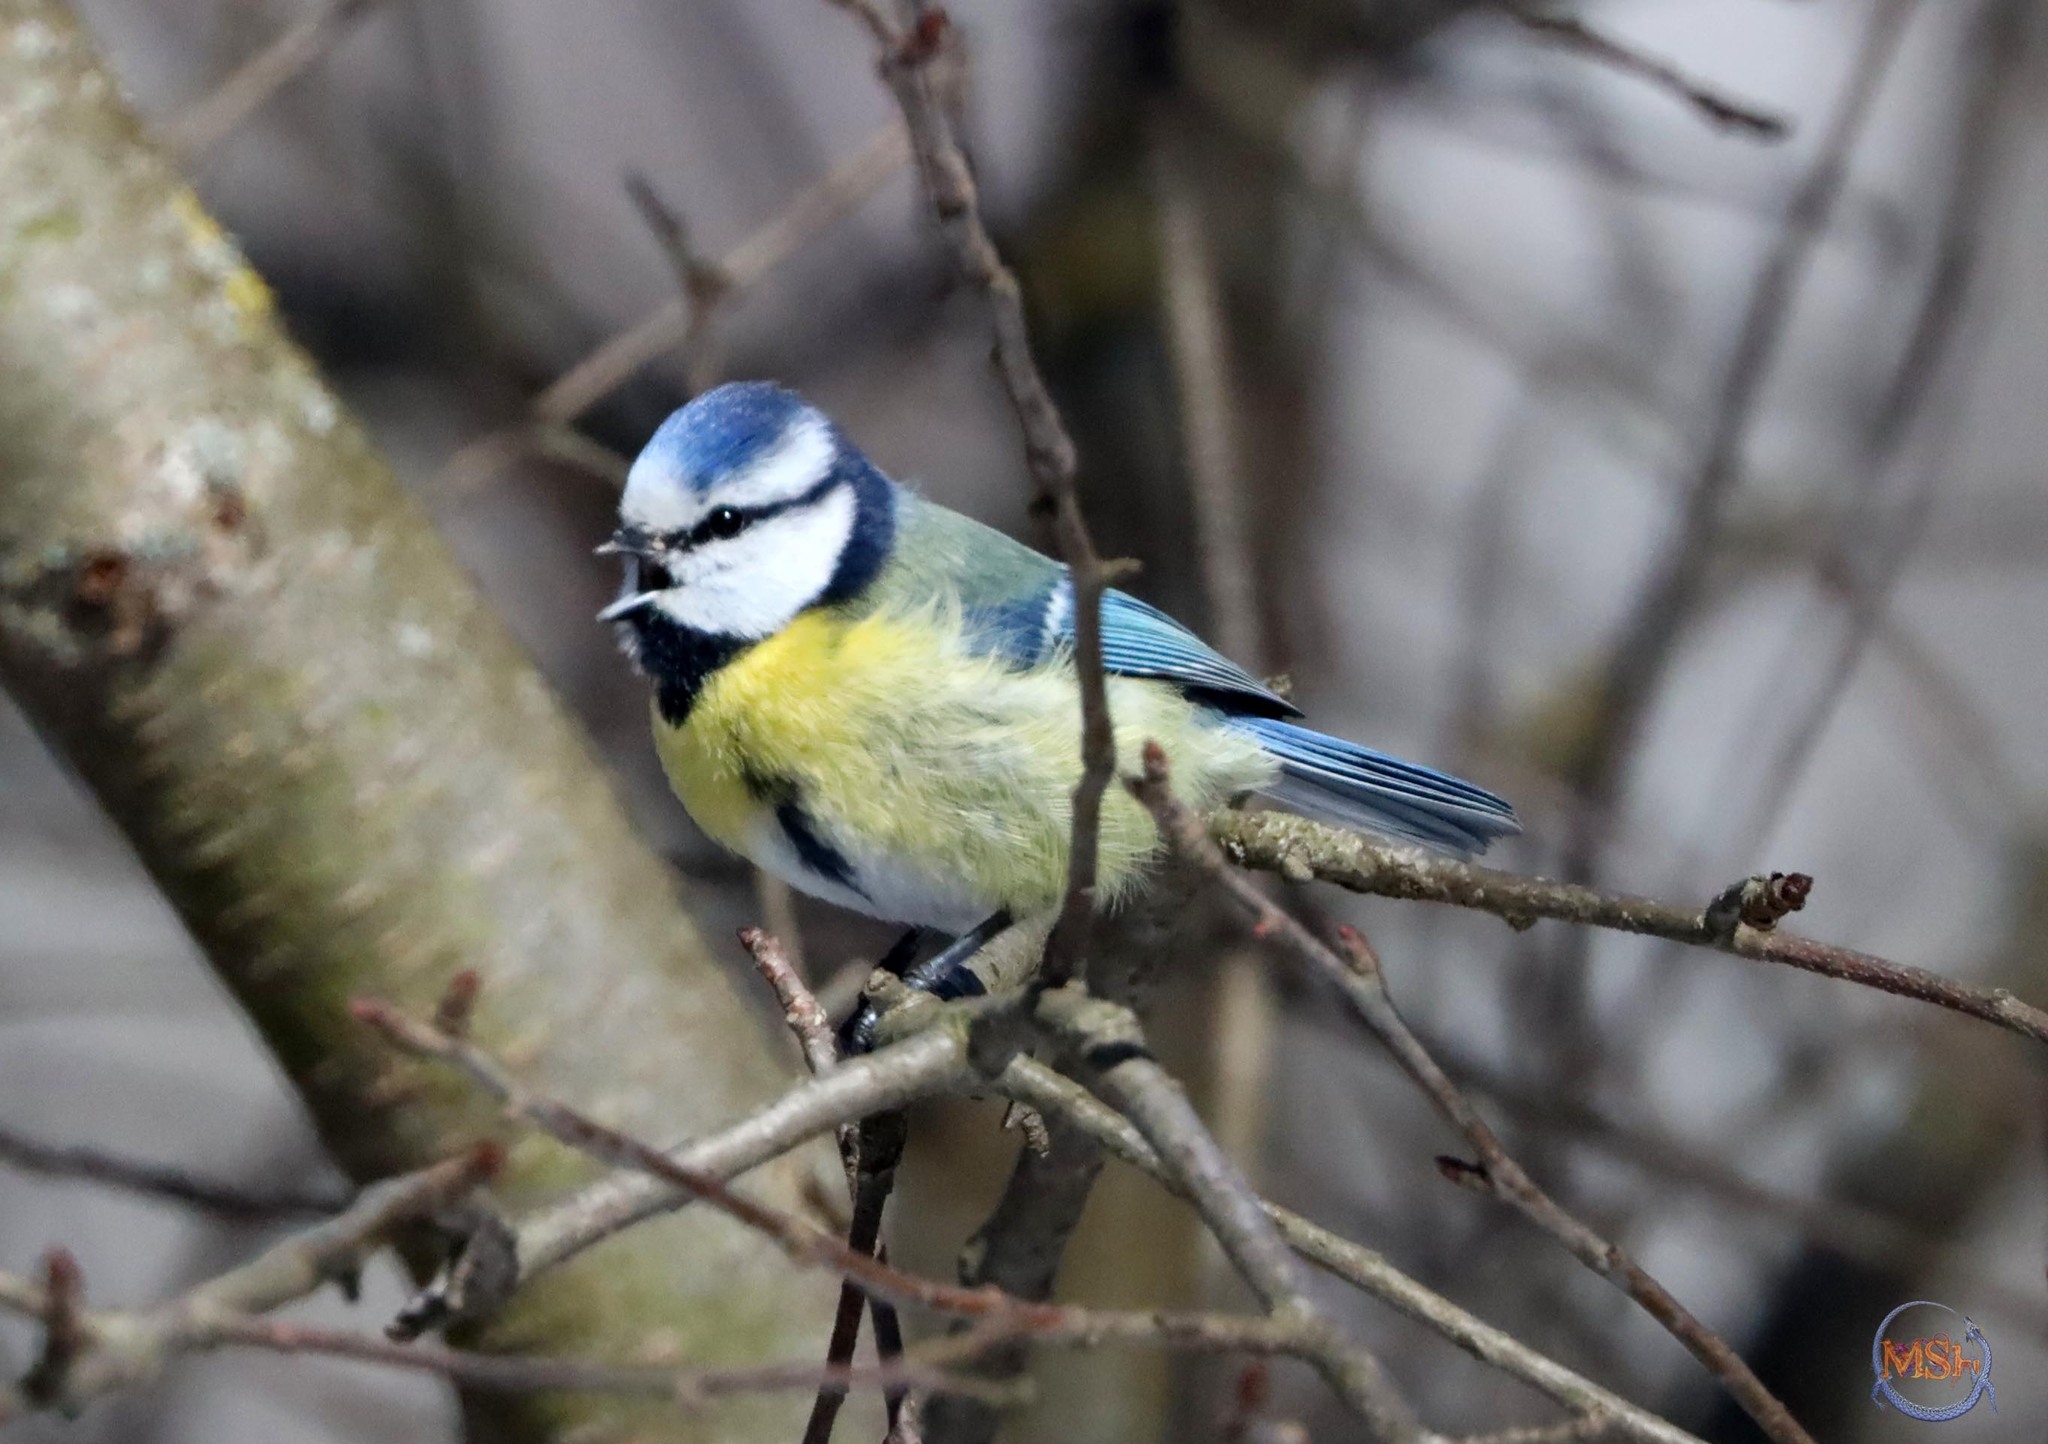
(725, 522)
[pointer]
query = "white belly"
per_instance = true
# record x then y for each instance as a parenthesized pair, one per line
(890, 888)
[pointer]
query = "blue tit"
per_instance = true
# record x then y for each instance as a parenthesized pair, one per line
(873, 697)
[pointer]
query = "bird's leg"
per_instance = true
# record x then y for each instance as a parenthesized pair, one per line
(902, 952)
(945, 974)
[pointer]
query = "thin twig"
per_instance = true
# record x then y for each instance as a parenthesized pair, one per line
(1864, 591)
(809, 213)
(800, 1008)
(156, 1180)
(699, 280)
(877, 1150)
(1297, 848)
(1649, 635)
(1049, 453)
(933, 1061)
(209, 120)
(1496, 1173)
(802, 1242)
(1575, 34)
(101, 1356)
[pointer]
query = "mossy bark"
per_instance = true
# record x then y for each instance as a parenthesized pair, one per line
(216, 601)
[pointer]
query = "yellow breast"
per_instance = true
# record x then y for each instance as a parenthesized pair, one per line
(914, 756)
(765, 718)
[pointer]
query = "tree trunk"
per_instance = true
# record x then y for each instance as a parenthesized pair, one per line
(217, 603)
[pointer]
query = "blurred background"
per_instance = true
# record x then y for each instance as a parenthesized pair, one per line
(1678, 476)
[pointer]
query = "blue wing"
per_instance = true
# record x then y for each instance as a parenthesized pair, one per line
(1138, 640)
(1321, 775)
(1341, 781)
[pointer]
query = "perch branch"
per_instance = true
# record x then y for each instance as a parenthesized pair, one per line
(1295, 1327)
(1299, 849)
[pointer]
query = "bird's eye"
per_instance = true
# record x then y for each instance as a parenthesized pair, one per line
(723, 522)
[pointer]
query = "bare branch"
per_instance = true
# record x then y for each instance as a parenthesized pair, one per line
(1297, 1327)
(1108, 1040)
(933, 1061)
(1049, 452)
(1018, 1248)
(689, 1389)
(156, 1180)
(1299, 849)
(799, 1240)
(208, 121)
(800, 1009)
(813, 210)
(1649, 634)
(84, 1358)
(1496, 1173)
(1575, 34)
(1056, 1095)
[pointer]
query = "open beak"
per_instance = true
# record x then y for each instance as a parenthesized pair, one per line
(630, 598)
(626, 605)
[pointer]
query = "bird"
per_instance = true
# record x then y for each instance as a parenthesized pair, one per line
(873, 697)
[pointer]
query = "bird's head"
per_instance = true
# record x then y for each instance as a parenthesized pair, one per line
(745, 508)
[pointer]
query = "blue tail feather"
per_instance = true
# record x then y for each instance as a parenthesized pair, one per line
(1343, 782)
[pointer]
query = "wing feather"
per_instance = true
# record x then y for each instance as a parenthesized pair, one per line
(1138, 640)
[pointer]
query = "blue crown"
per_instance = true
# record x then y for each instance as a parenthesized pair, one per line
(722, 430)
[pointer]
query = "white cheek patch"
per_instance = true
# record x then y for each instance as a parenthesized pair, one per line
(751, 585)
(659, 501)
